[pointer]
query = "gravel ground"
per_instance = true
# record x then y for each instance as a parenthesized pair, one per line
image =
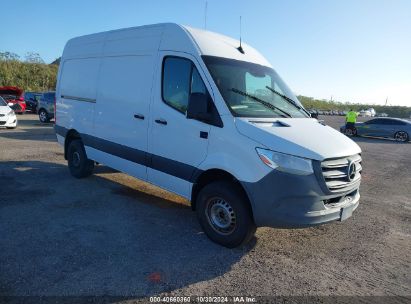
(111, 234)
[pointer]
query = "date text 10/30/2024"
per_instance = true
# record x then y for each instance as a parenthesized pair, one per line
(207, 299)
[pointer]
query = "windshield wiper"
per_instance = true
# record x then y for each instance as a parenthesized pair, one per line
(288, 99)
(264, 103)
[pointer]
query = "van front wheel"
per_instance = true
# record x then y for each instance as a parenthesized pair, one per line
(79, 165)
(224, 214)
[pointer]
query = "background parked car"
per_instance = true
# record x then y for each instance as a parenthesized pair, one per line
(15, 96)
(31, 99)
(399, 129)
(367, 113)
(8, 118)
(45, 107)
(313, 113)
(382, 115)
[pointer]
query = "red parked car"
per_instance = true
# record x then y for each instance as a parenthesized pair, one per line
(15, 96)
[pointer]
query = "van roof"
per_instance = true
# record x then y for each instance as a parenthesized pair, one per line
(162, 36)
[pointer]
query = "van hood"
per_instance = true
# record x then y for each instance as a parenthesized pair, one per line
(303, 137)
(4, 110)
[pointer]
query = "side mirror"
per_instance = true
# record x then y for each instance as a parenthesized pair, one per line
(198, 105)
(10, 104)
(314, 115)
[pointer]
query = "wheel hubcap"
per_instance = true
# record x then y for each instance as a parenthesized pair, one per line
(43, 116)
(76, 159)
(401, 136)
(221, 216)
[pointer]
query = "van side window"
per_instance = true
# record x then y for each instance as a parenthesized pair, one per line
(180, 79)
(176, 82)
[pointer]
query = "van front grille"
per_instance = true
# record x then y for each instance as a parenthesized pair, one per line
(342, 173)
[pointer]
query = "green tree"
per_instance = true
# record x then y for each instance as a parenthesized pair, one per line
(9, 56)
(30, 75)
(33, 57)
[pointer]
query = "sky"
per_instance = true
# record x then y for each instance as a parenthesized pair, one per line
(345, 50)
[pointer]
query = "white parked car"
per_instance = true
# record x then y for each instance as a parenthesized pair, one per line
(372, 112)
(8, 118)
(198, 114)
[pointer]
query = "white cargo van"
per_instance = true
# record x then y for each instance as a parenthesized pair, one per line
(196, 114)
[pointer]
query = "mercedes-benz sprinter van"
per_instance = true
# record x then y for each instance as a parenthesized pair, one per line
(200, 115)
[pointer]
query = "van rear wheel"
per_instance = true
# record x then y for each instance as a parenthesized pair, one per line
(79, 165)
(225, 214)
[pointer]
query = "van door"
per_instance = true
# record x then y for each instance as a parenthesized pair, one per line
(177, 145)
(122, 109)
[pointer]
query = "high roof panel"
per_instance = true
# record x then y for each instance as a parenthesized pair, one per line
(162, 36)
(215, 44)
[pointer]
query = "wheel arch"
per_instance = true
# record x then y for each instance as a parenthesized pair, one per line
(71, 134)
(212, 175)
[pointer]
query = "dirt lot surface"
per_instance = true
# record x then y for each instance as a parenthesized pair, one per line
(111, 234)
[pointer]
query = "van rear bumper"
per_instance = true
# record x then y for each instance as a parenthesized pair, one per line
(285, 200)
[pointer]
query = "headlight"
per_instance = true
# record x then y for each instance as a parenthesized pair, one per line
(285, 162)
(10, 113)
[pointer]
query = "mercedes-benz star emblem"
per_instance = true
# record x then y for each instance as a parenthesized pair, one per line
(352, 168)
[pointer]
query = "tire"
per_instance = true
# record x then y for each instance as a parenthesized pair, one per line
(225, 214)
(79, 165)
(350, 132)
(401, 136)
(43, 116)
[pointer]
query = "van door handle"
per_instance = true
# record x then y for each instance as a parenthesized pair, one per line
(161, 121)
(139, 116)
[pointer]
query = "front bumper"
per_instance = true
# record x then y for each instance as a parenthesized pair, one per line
(285, 200)
(8, 121)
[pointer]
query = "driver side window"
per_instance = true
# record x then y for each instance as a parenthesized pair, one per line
(180, 79)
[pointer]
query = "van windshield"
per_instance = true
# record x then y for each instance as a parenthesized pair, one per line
(252, 90)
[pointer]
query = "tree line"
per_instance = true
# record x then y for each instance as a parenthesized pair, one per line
(31, 73)
(392, 111)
